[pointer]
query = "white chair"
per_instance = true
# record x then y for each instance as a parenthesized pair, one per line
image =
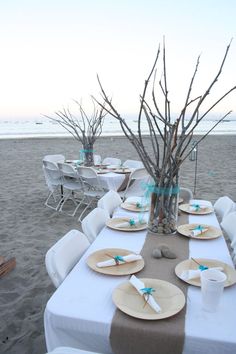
(133, 164)
(92, 188)
(110, 201)
(94, 222)
(53, 177)
(111, 161)
(54, 158)
(223, 206)
(69, 350)
(72, 184)
(228, 224)
(63, 256)
(97, 159)
(186, 194)
(135, 184)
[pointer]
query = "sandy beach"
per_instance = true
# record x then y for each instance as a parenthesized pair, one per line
(29, 229)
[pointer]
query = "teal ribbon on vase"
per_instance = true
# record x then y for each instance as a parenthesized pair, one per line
(85, 151)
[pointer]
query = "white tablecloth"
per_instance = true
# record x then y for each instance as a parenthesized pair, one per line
(79, 314)
(111, 180)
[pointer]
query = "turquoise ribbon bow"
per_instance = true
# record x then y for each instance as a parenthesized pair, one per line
(202, 267)
(196, 206)
(199, 228)
(118, 259)
(131, 222)
(139, 205)
(147, 291)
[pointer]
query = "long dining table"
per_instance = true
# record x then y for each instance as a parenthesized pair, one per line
(80, 312)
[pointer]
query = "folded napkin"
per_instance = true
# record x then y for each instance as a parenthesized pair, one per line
(197, 207)
(131, 222)
(145, 292)
(198, 230)
(117, 260)
(138, 204)
(195, 273)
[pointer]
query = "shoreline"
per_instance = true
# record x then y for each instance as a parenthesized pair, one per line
(29, 229)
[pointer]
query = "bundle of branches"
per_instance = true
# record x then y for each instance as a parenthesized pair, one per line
(85, 129)
(170, 138)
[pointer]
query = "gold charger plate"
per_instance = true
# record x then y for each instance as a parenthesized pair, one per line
(229, 271)
(115, 221)
(185, 208)
(122, 269)
(132, 207)
(121, 170)
(170, 298)
(211, 233)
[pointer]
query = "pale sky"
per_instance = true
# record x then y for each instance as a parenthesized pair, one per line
(51, 51)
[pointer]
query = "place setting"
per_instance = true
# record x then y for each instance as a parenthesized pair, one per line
(196, 208)
(190, 270)
(135, 205)
(199, 231)
(115, 261)
(127, 224)
(148, 299)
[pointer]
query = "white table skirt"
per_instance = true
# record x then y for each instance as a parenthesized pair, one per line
(111, 180)
(80, 312)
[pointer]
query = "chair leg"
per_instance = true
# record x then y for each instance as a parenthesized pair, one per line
(52, 195)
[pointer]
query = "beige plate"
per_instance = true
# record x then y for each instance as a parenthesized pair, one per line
(101, 172)
(185, 208)
(121, 171)
(132, 207)
(190, 264)
(170, 298)
(113, 222)
(211, 233)
(123, 269)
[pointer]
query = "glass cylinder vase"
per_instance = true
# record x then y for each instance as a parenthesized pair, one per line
(86, 155)
(163, 210)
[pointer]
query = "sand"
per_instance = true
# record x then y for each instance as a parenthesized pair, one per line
(28, 228)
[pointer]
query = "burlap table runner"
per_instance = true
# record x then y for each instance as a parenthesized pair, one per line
(134, 336)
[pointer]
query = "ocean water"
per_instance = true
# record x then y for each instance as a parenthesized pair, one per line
(46, 128)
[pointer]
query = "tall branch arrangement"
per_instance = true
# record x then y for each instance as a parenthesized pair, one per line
(169, 137)
(85, 129)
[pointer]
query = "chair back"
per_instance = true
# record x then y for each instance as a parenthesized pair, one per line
(186, 194)
(67, 170)
(97, 159)
(94, 222)
(63, 256)
(228, 224)
(54, 158)
(53, 175)
(110, 201)
(133, 164)
(134, 185)
(111, 161)
(223, 206)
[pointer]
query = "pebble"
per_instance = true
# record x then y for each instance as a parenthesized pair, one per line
(156, 253)
(167, 253)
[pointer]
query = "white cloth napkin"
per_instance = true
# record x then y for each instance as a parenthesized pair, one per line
(127, 259)
(195, 273)
(198, 232)
(127, 224)
(138, 284)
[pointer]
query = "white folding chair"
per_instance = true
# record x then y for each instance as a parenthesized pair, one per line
(186, 194)
(53, 177)
(92, 188)
(110, 201)
(69, 350)
(228, 224)
(72, 186)
(97, 159)
(94, 222)
(54, 158)
(111, 161)
(133, 164)
(63, 256)
(223, 206)
(135, 185)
